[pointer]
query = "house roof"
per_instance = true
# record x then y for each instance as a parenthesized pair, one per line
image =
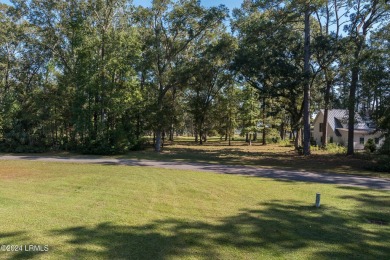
(338, 119)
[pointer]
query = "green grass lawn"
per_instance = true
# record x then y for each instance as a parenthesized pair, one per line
(277, 156)
(116, 212)
(268, 156)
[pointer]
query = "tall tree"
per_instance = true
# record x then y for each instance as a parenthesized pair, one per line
(327, 47)
(210, 74)
(270, 54)
(171, 28)
(364, 15)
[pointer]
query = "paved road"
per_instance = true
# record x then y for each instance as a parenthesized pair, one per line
(287, 175)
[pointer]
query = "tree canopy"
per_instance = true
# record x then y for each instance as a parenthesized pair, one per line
(98, 76)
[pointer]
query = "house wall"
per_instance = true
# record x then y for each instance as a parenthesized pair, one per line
(343, 139)
(317, 135)
(357, 136)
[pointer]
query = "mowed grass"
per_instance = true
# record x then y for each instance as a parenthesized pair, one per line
(86, 211)
(265, 156)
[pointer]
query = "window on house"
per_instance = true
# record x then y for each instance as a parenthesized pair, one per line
(376, 140)
(321, 127)
(331, 139)
(361, 140)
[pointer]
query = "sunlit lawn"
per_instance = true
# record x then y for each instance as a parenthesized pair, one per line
(86, 211)
(268, 156)
(272, 155)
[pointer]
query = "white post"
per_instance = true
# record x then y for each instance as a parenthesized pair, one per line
(318, 200)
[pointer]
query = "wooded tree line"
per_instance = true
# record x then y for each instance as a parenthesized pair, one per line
(97, 76)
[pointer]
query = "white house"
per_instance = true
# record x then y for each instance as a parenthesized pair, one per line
(337, 127)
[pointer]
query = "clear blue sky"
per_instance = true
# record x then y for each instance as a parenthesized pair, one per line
(229, 3)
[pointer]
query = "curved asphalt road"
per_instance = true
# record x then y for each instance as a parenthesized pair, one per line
(287, 175)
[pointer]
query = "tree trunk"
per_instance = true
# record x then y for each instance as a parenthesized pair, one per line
(298, 138)
(306, 95)
(160, 121)
(282, 131)
(157, 146)
(162, 139)
(351, 109)
(264, 118)
(171, 133)
(352, 95)
(326, 109)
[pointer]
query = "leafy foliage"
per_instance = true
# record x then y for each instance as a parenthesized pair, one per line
(370, 146)
(98, 76)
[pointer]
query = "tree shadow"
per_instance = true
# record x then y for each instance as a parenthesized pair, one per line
(286, 159)
(11, 234)
(374, 209)
(276, 228)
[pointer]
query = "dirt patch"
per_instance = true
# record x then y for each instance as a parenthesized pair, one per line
(12, 170)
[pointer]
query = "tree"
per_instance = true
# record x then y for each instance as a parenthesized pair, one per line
(306, 91)
(270, 56)
(210, 74)
(228, 109)
(364, 15)
(170, 30)
(327, 47)
(81, 59)
(250, 112)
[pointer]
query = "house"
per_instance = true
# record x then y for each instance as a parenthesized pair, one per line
(337, 127)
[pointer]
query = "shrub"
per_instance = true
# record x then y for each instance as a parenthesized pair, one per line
(273, 135)
(335, 148)
(314, 148)
(385, 148)
(382, 164)
(285, 143)
(370, 146)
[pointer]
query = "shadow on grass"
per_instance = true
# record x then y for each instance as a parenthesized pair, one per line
(368, 202)
(269, 156)
(274, 229)
(282, 158)
(11, 234)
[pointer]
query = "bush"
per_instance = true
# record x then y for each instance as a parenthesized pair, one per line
(382, 164)
(22, 148)
(335, 148)
(314, 148)
(273, 135)
(140, 145)
(385, 148)
(285, 143)
(370, 146)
